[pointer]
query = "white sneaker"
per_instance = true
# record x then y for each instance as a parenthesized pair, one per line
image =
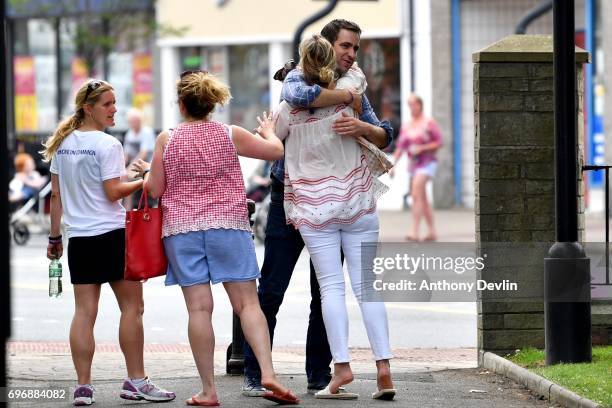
(84, 395)
(146, 391)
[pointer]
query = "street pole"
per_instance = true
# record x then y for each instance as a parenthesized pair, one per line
(5, 272)
(297, 37)
(567, 290)
(532, 15)
(58, 68)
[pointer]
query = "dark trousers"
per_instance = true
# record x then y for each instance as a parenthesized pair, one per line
(283, 246)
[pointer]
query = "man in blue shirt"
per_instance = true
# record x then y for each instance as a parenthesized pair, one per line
(283, 243)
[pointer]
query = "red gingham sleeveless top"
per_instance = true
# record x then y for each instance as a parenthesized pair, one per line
(204, 184)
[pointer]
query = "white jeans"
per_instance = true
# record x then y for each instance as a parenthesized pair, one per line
(324, 248)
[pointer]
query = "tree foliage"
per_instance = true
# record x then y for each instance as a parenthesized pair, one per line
(97, 28)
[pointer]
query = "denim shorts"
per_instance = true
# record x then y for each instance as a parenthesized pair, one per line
(215, 255)
(429, 169)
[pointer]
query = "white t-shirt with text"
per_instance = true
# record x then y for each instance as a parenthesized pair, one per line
(83, 162)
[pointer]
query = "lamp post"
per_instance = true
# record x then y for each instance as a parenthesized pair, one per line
(567, 291)
(532, 15)
(297, 37)
(5, 273)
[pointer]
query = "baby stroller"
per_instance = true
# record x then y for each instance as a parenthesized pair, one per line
(258, 191)
(260, 219)
(20, 215)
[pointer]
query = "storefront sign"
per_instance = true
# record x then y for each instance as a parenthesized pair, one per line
(26, 118)
(143, 82)
(80, 74)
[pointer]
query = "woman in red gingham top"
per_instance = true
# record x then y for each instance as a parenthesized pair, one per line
(210, 170)
(205, 230)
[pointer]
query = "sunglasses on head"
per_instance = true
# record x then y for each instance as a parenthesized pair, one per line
(282, 73)
(192, 71)
(92, 86)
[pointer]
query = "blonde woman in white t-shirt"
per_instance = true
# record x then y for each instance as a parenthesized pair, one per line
(86, 188)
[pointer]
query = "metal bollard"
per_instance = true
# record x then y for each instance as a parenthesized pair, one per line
(235, 351)
(234, 359)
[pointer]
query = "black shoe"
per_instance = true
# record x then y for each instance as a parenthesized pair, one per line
(314, 388)
(318, 385)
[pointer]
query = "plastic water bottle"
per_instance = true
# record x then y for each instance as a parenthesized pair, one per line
(55, 278)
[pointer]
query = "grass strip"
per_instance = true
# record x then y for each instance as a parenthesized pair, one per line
(590, 380)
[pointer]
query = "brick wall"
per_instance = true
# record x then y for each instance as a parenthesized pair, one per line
(515, 180)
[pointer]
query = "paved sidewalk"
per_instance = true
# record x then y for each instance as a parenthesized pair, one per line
(423, 377)
(37, 360)
(458, 225)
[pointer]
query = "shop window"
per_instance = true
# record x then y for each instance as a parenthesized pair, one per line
(245, 69)
(34, 67)
(127, 66)
(211, 59)
(380, 61)
(250, 84)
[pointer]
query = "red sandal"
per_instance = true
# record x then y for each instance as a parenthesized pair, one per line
(287, 398)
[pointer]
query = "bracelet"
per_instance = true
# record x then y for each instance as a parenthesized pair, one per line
(55, 240)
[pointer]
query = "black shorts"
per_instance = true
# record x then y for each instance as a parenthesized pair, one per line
(97, 259)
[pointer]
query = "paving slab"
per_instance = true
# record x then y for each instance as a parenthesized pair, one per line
(423, 377)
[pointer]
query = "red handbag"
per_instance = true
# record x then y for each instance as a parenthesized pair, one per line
(145, 257)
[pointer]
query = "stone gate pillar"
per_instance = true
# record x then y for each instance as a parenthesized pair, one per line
(515, 179)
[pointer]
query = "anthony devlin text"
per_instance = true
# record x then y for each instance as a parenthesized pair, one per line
(444, 285)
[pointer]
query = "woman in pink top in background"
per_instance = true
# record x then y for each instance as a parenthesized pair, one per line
(420, 138)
